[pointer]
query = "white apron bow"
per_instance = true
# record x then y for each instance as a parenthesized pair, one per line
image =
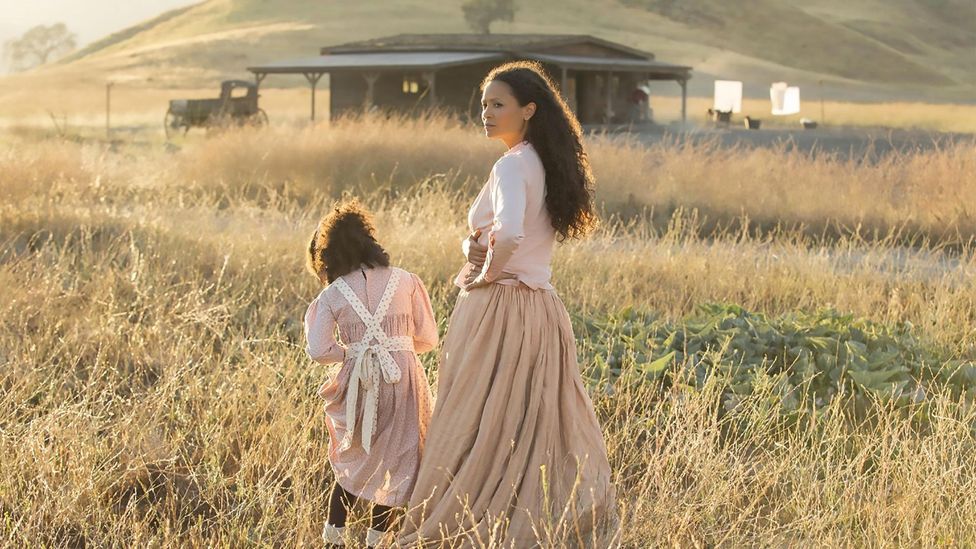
(371, 362)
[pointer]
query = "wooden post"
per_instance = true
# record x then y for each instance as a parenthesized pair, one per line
(313, 83)
(313, 80)
(108, 110)
(609, 107)
(562, 85)
(648, 109)
(370, 86)
(823, 116)
(684, 100)
(431, 79)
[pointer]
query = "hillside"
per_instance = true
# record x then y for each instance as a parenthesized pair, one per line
(867, 49)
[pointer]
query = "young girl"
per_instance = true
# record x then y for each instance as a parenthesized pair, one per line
(378, 404)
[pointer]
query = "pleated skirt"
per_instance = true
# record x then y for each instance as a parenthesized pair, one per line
(514, 455)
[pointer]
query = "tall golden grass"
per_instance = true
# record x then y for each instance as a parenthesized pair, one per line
(930, 194)
(155, 391)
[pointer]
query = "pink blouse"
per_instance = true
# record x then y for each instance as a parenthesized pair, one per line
(511, 213)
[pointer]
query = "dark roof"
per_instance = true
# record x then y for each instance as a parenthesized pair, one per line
(377, 60)
(510, 43)
(436, 51)
(609, 63)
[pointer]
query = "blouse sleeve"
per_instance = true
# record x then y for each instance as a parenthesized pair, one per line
(508, 203)
(320, 325)
(425, 327)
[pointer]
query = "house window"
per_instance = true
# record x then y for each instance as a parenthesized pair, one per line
(411, 85)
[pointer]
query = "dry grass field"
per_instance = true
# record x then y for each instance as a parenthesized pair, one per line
(154, 390)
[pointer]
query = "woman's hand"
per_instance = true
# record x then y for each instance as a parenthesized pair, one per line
(473, 251)
(476, 279)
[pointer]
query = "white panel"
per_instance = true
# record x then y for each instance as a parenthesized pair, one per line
(728, 96)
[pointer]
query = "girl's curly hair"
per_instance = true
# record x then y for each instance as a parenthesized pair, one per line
(343, 241)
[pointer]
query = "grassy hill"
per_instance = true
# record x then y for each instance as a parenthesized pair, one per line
(865, 49)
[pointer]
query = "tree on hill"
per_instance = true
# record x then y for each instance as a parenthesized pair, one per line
(480, 14)
(39, 45)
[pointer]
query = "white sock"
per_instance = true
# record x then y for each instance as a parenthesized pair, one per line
(373, 537)
(333, 534)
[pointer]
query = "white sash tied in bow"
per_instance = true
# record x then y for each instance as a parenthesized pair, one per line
(371, 361)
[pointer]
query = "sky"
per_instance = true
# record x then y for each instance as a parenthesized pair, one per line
(88, 19)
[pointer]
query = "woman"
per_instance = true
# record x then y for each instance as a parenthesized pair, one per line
(514, 453)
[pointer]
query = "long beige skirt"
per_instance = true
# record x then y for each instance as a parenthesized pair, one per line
(514, 455)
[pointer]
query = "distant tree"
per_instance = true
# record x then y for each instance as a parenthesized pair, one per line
(39, 45)
(480, 14)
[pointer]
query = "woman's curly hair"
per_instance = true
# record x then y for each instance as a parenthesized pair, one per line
(344, 240)
(556, 135)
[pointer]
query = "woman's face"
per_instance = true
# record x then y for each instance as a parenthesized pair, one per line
(501, 114)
